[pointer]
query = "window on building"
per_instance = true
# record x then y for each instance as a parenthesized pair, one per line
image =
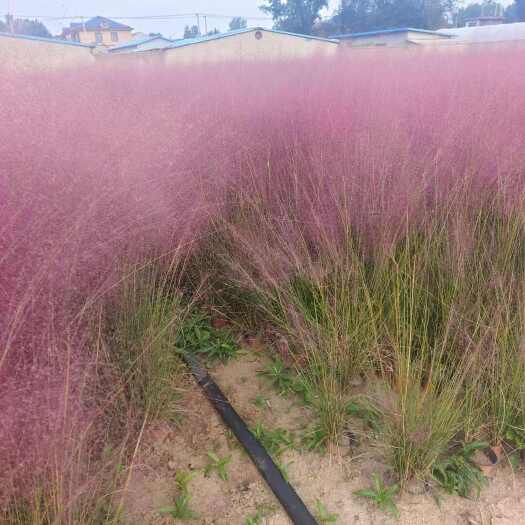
(114, 36)
(99, 38)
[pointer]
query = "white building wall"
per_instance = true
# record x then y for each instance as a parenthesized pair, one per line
(245, 46)
(19, 54)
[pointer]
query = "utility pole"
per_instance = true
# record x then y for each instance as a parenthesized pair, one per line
(9, 18)
(198, 22)
(205, 25)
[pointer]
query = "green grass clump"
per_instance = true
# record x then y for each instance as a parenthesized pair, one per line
(197, 336)
(144, 324)
(433, 322)
(457, 474)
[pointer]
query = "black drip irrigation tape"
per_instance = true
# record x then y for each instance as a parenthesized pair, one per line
(285, 493)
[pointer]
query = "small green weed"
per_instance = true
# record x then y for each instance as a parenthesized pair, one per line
(381, 495)
(183, 478)
(315, 438)
(217, 464)
(261, 402)
(254, 519)
(457, 474)
(181, 506)
(515, 437)
(286, 381)
(181, 509)
(262, 512)
(274, 441)
(197, 335)
(366, 412)
(322, 514)
(279, 375)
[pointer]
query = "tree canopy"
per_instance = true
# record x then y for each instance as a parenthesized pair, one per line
(519, 10)
(238, 22)
(367, 15)
(191, 31)
(24, 26)
(297, 16)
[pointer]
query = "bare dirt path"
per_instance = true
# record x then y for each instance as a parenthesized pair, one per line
(330, 478)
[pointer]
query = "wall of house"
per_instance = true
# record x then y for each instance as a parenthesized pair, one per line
(89, 37)
(245, 46)
(20, 54)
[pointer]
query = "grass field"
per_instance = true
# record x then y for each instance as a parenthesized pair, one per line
(363, 218)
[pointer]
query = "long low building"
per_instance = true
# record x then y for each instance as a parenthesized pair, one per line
(255, 43)
(30, 53)
(397, 37)
(486, 34)
(459, 37)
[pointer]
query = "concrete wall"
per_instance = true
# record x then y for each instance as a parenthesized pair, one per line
(245, 46)
(21, 54)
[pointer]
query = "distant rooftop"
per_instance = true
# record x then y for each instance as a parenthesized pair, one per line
(190, 41)
(136, 42)
(487, 33)
(389, 31)
(99, 23)
(44, 39)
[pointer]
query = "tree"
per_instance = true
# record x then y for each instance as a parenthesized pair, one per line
(214, 31)
(368, 15)
(24, 26)
(191, 32)
(487, 8)
(238, 22)
(519, 10)
(298, 16)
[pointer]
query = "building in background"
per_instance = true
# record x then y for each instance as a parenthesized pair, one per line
(22, 53)
(486, 34)
(143, 43)
(398, 37)
(484, 21)
(255, 43)
(98, 31)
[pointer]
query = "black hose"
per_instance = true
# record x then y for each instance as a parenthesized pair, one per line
(291, 502)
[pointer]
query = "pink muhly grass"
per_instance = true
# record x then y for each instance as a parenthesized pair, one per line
(100, 166)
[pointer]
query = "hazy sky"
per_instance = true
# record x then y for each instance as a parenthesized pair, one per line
(123, 8)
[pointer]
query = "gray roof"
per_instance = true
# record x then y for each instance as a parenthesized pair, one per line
(481, 34)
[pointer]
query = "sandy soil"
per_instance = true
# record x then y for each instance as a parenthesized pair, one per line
(330, 478)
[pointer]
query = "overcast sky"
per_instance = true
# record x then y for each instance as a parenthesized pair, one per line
(136, 8)
(129, 8)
